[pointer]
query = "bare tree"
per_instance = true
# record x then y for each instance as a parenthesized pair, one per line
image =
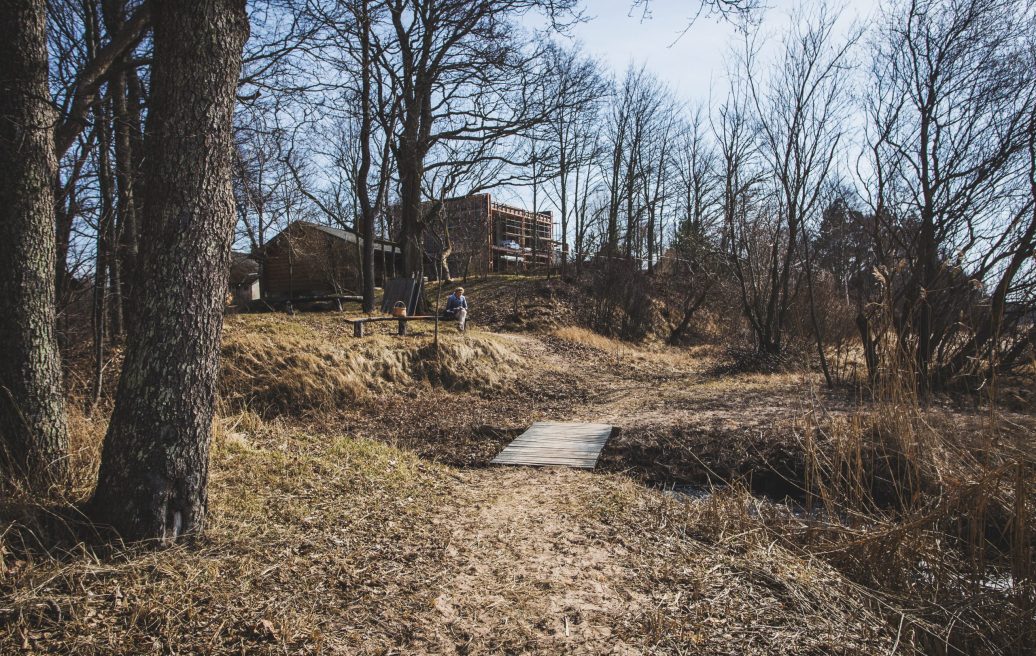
(587, 183)
(581, 89)
(799, 106)
(655, 162)
(949, 132)
(97, 47)
(739, 10)
(469, 168)
(696, 261)
(351, 47)
(368, 210)
(802, 110)
(90, 78)
(741, 175)
(458, 71)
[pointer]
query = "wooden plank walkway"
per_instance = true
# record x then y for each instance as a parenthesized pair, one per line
(557, 444)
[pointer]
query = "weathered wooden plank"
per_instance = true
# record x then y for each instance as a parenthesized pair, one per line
(567, 443)
(546, 446)
(557, 444)
(588, 464)
(540, 446)
(521, 460)
(560, 447)
(514, 458)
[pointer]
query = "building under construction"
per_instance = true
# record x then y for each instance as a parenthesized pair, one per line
(483, 236)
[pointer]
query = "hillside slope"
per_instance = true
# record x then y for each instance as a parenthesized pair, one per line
(353, 511)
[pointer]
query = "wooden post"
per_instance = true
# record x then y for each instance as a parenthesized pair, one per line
(357, 329)
(438, 297)
(402, 327)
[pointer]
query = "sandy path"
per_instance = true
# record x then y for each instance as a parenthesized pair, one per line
(526, 573)
(527, 570)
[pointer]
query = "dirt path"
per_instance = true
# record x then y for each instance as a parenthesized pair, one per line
(528, 569)
(663, 387)
(528, 572)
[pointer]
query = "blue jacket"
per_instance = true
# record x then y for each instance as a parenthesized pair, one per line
(453, 303)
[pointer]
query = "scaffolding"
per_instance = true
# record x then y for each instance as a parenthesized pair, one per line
(529, 233)
(494, 236)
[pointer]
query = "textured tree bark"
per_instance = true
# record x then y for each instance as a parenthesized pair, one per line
(33, 435)
(411, 236)
(154, 467)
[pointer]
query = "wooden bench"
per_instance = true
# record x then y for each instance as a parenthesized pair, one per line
(358, 324)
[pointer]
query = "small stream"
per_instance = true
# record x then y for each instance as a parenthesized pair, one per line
(997, 580)
(793, 507)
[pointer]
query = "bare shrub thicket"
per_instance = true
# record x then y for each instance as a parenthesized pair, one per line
(950, 159)
(939, 212)
(921, 505)
(619, 300)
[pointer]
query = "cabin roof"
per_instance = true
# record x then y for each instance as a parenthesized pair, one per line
(339, 233)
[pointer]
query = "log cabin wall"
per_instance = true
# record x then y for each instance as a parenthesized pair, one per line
(308, 260)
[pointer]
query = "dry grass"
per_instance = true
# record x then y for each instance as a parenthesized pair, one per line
(928, 509)
(315, 543)
(277, 365)
(635, 361)
(332, 528)
(585, 337)
(718, 582)
(326, 543)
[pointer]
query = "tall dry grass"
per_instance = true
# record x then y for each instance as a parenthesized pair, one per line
(306, 533)
(931, 511)
(295, 370)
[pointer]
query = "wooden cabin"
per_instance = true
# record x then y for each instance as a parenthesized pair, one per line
(311, 261)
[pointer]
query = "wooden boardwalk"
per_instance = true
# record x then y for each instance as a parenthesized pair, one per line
(557, 444)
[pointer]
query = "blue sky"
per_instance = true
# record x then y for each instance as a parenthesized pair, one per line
(692, 63)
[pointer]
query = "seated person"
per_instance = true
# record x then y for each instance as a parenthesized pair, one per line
(457, 307)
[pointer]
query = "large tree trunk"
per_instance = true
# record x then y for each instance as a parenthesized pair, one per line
(411, 237)
(32, 407)
(154, 467)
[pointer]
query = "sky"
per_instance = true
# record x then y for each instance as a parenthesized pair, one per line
(691, 60)
(691, 63)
